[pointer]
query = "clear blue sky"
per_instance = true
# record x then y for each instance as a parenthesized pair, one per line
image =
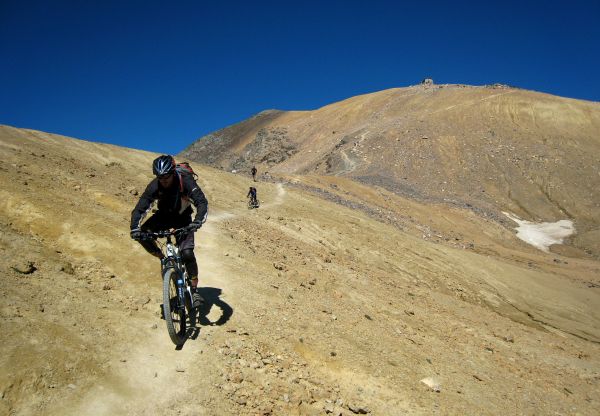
(157, 75)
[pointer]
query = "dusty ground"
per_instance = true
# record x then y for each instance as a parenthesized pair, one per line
(322, 301)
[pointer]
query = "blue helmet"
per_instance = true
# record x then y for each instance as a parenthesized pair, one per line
(163, 165)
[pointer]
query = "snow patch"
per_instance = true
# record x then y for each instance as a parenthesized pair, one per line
(542, 235)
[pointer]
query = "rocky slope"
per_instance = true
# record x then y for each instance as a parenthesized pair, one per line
(489, 149)
(322, 301)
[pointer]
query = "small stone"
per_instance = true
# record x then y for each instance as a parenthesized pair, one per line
(358, 409)
(72, 386)
(143, 300)
(237, 378)
(180, 369)
(67, 268)
(432, 383)
(25, 268)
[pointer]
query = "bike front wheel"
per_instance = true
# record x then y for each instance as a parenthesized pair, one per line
(174, 310)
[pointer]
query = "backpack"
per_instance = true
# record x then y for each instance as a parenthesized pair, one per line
(184, 168)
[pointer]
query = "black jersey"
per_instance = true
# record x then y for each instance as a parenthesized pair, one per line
(173, 201)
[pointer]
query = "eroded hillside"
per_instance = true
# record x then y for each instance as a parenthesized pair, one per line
(486, 149)
(322, 301)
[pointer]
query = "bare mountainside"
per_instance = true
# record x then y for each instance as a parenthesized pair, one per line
(318, 303)
(487, 149)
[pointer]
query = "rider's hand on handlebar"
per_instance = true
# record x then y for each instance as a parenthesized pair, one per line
(194, 226)
(136, 234)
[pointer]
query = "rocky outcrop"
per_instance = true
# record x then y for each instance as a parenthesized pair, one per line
(270, 147)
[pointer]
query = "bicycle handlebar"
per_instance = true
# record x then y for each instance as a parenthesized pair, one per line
(166, 233)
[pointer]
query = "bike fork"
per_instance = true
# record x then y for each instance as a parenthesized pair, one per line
(181, 291)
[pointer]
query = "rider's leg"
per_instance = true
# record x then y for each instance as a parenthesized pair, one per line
(152, 224)
(187, 255)
(152, 248)
(186, 247)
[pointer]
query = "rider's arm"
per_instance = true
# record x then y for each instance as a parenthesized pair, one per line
(197, 197)
(144, 205)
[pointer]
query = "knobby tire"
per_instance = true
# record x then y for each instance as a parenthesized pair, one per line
(174, 316)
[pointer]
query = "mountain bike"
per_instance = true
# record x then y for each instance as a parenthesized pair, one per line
(177, 308)
(253, 203)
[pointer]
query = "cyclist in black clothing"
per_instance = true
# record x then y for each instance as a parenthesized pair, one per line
(175, 193)
(252, 195)
(253, 171)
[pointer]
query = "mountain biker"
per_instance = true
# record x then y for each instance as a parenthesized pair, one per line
(175, 192)
(252, 195)
(253, 171)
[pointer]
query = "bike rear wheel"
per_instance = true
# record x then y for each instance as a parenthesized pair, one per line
(174, 311)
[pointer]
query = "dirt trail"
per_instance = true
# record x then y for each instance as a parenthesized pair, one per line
(154, 374)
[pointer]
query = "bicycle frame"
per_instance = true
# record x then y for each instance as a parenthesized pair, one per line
(173, 260)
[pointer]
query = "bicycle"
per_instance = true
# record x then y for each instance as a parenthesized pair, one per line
(177, 308)
(253, 203)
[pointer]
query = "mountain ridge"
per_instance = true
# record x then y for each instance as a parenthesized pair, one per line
(494, 148)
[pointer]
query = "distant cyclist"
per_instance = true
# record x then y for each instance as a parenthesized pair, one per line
(253, 171)
(252, 195)
(175, 193)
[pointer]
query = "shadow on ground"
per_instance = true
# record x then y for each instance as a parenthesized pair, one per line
(212, 298)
